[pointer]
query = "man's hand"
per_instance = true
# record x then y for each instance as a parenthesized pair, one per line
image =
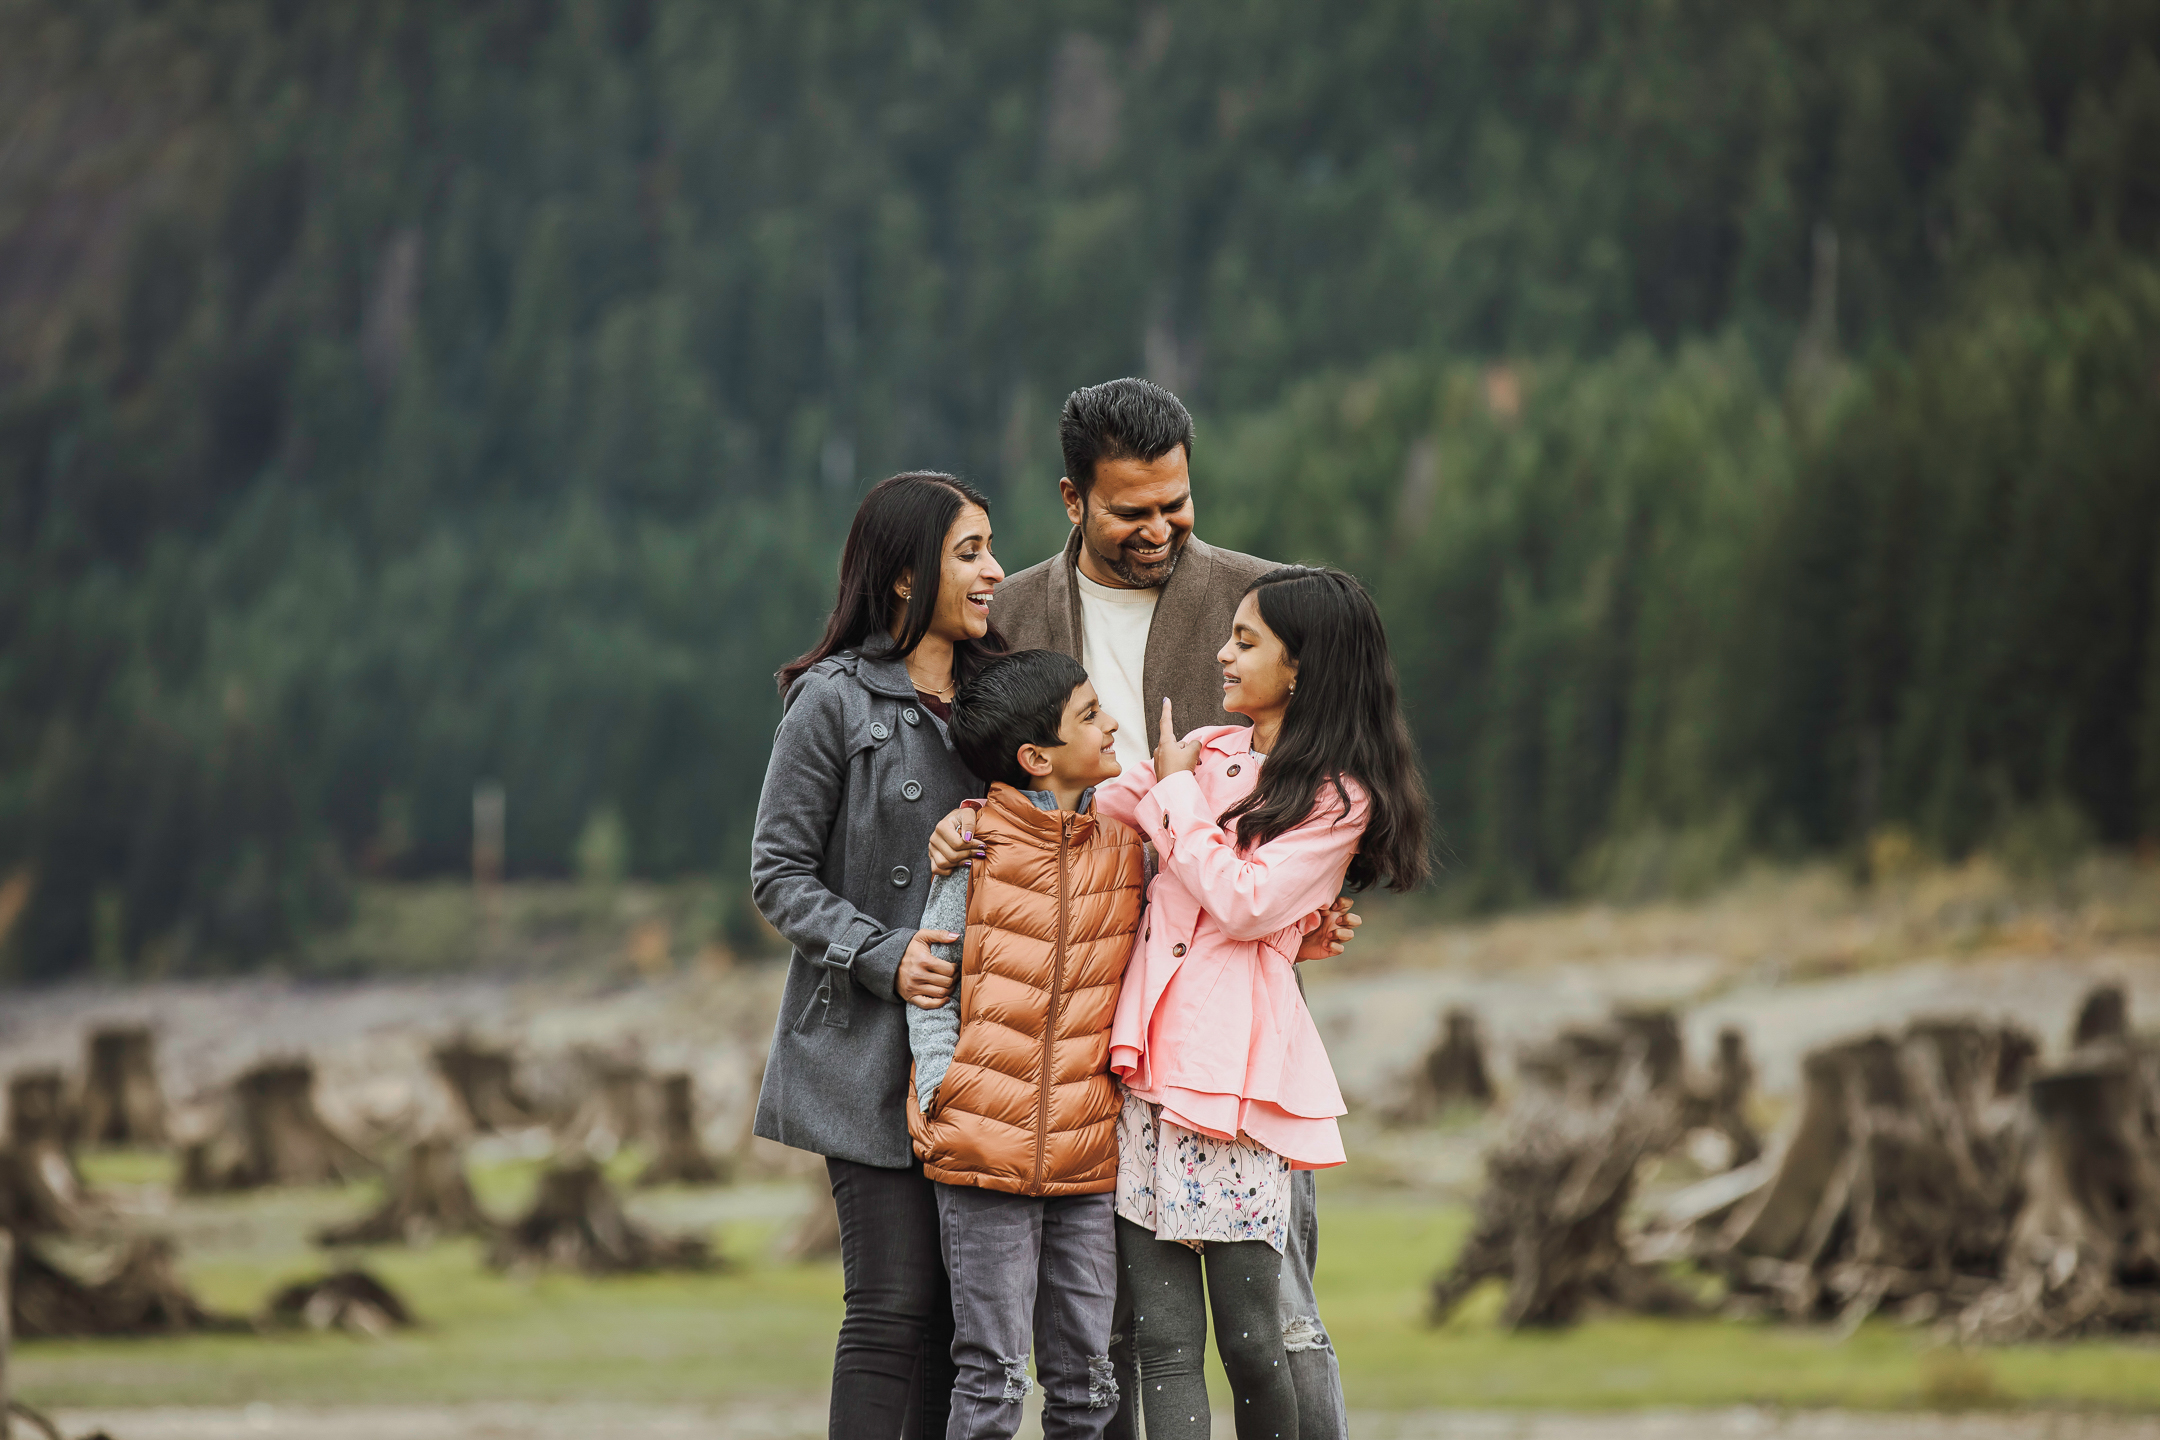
(923, 980)
(1337, 928)
(952, 843)
(1171, 754)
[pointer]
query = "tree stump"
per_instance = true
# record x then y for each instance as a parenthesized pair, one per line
(683, 1159)
(577, 1222)
(122, 1101)
(141, 1295)
(1732, 1083)
(1549, 1218)
(816, 1235)
(1899, 1183)
(615, 1111)
(485, 1084)
(350, 1300)
(38, 1111)
(429, 1197)
(2104, 1017)
(272, 1135)
(2084, 1255)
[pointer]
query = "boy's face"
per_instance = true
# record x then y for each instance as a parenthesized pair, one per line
(1087, 752)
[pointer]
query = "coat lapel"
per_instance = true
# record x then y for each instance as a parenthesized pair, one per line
(1181, 619)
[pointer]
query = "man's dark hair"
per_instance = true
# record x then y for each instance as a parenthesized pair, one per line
(1018, 700)
(1120, 420)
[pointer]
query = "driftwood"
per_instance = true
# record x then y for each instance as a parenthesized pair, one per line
(350, 1300)
(429, 1197)
(577, 1222)
(141, 1295)
(1557, 1190)
(682, 1157)
(272, 1135)
(122, 1101)
(485, 1084)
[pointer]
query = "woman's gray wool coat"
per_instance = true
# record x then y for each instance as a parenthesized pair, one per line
(861, 771)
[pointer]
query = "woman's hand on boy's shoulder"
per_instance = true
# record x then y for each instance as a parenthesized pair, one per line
(1337, 928)
(952, 843)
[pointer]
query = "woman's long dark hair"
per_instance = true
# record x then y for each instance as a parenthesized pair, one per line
(899, 530)
(1344, 720)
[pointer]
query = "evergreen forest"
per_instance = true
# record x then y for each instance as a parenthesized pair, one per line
(1747, 415)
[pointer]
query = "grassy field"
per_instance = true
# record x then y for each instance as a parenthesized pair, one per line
(764, 1328)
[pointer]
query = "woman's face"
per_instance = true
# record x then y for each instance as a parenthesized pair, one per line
(969, 575)
(1257, 671)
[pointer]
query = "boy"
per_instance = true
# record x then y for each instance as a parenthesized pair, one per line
(1012, 1108)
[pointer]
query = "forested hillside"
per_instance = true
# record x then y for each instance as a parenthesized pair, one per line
(1748, 414)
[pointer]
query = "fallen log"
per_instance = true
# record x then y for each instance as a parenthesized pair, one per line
(577, 1222)
(122, 1102)
(272, 1134)
(682, 1157)
(429, 1197)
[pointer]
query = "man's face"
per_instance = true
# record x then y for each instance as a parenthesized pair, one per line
(1135, 523)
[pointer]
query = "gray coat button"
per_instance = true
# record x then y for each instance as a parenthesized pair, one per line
(900, 876)
(913, 717)
(911, 791)
(878, 730)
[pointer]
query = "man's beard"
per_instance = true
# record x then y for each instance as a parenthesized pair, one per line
(1144, 577)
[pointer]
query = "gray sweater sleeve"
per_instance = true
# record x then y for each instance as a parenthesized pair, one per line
(932, 1034)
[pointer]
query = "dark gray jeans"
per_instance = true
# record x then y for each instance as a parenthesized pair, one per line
(1321, 1415)
(1026, 1266)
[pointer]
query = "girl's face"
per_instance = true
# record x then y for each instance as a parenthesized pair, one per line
(968, 576)
(1257, 672)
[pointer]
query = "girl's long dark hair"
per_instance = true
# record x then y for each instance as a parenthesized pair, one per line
(1344, 720)
(899, 531)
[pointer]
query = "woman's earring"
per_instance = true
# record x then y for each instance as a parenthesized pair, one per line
(907, 594)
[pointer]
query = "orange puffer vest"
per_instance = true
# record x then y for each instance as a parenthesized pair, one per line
(1029, 1106)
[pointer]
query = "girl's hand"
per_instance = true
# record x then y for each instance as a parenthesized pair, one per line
(1171, 753)
(923, 980)
(952, 843)
(1337, 928)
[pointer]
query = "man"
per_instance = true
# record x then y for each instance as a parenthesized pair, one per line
(1144, 606)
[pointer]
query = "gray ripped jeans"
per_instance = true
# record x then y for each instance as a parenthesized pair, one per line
(1321, 1415)
(1027, 1267)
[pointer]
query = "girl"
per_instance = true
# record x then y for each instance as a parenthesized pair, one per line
(1228, 1087)
(861, 768)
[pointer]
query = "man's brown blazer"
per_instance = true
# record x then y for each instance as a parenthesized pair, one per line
(1039, 609)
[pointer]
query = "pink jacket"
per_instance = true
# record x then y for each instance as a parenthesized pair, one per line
(1210, 1023)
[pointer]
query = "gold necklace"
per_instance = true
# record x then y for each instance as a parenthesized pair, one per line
(944, 693)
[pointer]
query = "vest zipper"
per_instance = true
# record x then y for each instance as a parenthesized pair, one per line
(1050, 1020)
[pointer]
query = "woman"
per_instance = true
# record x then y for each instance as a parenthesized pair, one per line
(1228, 1087)
(861, 768)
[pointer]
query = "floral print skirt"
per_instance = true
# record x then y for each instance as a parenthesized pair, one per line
(1192, 1187)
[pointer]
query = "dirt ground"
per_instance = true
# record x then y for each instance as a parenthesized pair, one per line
(805, 1420)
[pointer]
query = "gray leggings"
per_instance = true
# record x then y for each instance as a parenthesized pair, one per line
(1171, 1300)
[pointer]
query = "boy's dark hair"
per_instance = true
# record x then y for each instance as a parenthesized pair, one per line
(1120, 420)
(1018, 700)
